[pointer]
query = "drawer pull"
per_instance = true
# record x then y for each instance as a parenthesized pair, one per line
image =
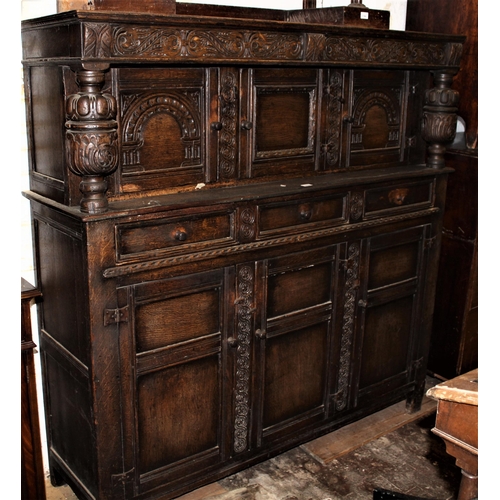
(305, 212)
(216, 126)
(398, 196)
(232, 342)
(181, 236)
(246, 125)
(260, 334)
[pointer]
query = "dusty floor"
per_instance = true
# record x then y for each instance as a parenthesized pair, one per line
(389, 450)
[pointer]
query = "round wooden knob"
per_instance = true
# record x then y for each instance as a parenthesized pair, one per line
(181, 235)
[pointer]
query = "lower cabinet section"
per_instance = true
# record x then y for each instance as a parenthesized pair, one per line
(179, 369)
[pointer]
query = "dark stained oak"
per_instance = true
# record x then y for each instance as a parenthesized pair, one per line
(237, 226)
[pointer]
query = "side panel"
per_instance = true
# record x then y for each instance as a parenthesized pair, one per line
(64, 346)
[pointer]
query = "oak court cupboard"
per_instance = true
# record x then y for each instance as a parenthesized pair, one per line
(236, 228)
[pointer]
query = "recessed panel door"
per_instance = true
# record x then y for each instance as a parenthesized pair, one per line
(163, 114)
(389, 313)
(376, 121)
(293, 342)
(178, 377)
(279, 121)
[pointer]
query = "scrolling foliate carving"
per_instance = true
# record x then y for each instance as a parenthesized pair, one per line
(244, 311)
(247, 224)
(98, 39)
(439, 120)
(228, 115)
(351, 285)
(342, 48)
(91, 138)
(333, 93)
(172, 42)
(108, 40)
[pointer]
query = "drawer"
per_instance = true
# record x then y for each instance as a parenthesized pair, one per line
(158, 238)
(302, 215)
(398, 198)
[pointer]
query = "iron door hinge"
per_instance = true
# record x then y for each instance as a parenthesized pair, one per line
(115, 316)
(124, 478)
(411, 141)
(429, 242)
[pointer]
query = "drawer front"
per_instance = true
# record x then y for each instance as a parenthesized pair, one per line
(172, 236)
(302, 215)
(398, 198)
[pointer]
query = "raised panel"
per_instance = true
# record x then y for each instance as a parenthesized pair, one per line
(386, 341)
(395, 260)
(299, 289)
(177, 319)
(179, 413)
(61, 274)
(69, 415)
(47, 110)
(295, 374)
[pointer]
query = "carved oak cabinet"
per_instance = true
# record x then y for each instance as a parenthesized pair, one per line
(236, 228)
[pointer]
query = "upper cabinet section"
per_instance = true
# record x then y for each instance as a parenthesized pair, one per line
(124, 105)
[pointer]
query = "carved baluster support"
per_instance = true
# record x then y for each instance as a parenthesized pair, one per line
(440, 118)
(91, 138)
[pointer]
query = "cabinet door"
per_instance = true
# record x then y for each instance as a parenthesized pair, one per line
(279, 121)
(293, 342)
(389, 314)
(174, 377)
(376, 121)
(164, 138)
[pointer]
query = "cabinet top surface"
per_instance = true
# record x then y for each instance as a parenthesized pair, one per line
(124, 37)
(246, 192)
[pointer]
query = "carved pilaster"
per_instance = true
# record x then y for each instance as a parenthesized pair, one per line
(351, 287)
(91, 138)
(244, 308)
(440, 118)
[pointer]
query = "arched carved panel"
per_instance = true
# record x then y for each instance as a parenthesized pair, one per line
(376, 119)
(140, 111)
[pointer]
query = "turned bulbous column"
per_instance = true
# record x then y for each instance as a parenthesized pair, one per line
(439, 122)
(91, 138)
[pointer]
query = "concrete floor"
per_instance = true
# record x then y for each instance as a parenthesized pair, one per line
(389, 450)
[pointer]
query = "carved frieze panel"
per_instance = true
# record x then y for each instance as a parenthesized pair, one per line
(108, 40)
(102, 40)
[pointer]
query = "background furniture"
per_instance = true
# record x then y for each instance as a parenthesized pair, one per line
(454, 342)
(237, 233)
(457, 424)
(32, 471)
